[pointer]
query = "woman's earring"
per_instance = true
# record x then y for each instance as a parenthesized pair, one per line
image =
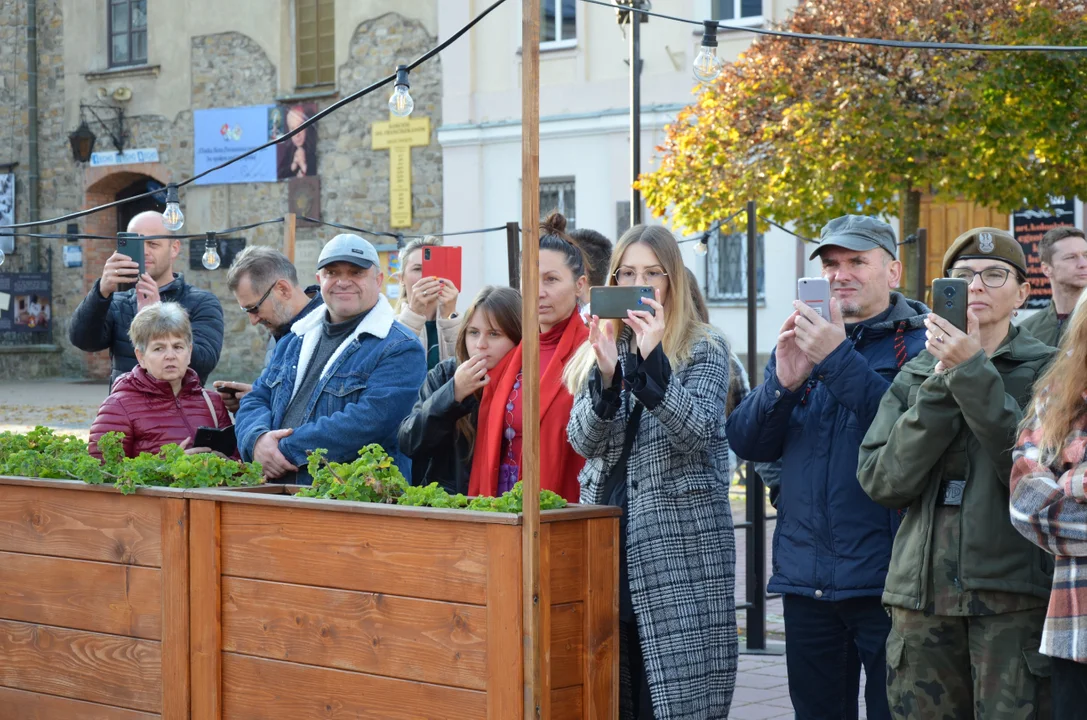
(1015, 313)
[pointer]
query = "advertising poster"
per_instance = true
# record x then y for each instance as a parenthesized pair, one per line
(1029, 226)
(25, 302)
(223, 133)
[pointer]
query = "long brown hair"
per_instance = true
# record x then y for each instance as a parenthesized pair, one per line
(1061, 388)
(683, 326)
(502, 306)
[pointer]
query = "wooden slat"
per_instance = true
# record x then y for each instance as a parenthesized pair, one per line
(567, 704)
(544, 645)
(396, 556)
(504, 659)
(567, 645)
(421, 640)
(84, 525)
(259, 689)
(567, 562)
(175, 609)
(105, 669)
(79, 594)
(601, 652)
(205, 660)
(22, 705)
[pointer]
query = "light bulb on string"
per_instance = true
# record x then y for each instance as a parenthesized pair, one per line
(210, 259)
(172, 217)
(401, 104)
(707, 66)
(701, 248)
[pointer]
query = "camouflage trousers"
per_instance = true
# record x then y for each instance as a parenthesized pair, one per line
(965, 668)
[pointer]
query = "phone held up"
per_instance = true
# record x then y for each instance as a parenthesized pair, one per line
(949, 300)
(815, 293)
(613, 302)
(442, 262)
(131, 244)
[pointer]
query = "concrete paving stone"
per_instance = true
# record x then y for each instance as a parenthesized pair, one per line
(757, 712)
(754, 696)
(757, 680)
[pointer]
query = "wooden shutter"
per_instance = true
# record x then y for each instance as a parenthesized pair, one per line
(315, 42)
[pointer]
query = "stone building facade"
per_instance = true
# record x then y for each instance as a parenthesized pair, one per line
(199, 57)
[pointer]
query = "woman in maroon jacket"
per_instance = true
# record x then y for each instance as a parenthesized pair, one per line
(160, 401)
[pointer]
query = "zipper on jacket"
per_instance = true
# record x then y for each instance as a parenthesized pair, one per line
(181, 412)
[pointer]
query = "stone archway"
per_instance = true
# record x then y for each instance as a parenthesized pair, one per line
(102, 185)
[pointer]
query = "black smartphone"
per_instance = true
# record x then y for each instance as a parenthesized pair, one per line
(224, 390)
(949, 300)
(613, 301)
(131, 244)
(219, 439)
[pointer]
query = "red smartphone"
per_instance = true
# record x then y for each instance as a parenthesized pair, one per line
(442, 262)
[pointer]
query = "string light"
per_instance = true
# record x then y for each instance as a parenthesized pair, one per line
(707, 66)
(211, 259)
(701, 248)
(401, 104)
(172, 217)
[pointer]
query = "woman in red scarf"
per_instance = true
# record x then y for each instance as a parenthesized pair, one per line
(496, 466)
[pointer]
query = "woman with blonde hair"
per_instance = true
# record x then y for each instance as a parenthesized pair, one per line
(649, 417)
(1049, 507)
(427, 305)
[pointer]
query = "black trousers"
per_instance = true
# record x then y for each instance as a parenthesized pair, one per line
(1069, 689)
(635, 701)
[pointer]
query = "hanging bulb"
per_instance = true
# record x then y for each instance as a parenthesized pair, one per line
(172, 217)
(707, 66)
(701, 248)
(401, 104)
(210, 258)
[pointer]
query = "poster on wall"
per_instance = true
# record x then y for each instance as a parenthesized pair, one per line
(1029, 226)
(7, 210)
(25, 302)
(220, 134)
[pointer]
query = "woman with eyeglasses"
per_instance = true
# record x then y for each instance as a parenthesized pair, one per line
(496, 465)
(967, 593)
(649, 417)
(427, 305)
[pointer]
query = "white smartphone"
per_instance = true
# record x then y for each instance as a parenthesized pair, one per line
(815, 293)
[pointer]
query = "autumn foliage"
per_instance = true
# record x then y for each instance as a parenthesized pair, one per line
(812, 130)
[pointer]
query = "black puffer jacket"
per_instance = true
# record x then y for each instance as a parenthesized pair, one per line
(429, 436)
(102, 324)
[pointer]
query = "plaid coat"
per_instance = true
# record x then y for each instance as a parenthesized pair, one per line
(1049, 507)
(681, 547)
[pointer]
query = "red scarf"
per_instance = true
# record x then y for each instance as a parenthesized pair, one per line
(559, 464)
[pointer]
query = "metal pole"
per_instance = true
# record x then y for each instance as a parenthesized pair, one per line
(635, 112)
(513, 254)
(922, 261)
(756, 492)
(32, 123)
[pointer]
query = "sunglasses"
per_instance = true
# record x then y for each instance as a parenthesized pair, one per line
(254, 309)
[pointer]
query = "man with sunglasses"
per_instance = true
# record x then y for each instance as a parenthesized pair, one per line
(265, 284)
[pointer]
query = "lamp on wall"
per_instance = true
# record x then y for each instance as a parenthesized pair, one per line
(83, 138)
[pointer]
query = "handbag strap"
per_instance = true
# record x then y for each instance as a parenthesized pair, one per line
(211, 408)
(619, 472)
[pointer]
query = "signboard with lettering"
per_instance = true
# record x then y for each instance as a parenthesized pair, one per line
(1029, 226)
(399, 136)
(141, 155)
(220, 134)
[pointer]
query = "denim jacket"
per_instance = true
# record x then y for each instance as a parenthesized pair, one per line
(367, 388)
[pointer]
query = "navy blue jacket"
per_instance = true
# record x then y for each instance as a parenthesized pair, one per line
(831, 540)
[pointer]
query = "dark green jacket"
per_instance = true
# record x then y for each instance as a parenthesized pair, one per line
(961, 424)
(1045, 326)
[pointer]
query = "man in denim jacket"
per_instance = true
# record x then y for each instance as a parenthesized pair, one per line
(344, 377)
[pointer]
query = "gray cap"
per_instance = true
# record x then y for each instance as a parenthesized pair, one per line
(346, 247)
(857, 232)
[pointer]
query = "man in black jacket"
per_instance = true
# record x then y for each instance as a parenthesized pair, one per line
(101, 321)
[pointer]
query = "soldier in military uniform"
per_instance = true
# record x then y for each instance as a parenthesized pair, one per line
(1063, 252)
(967, 593)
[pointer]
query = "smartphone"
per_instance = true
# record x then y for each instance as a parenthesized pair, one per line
(220, 439)
(131, 244)
(614, 301)
(442, 262)
(224, 390)
(950, 300)
(815, 293)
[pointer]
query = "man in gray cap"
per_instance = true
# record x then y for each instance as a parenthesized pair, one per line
(344, 377)
(832, 543)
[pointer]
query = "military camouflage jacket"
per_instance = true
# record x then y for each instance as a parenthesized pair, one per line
(958, 425)
(1045, 326)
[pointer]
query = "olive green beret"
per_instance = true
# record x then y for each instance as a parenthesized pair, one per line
(986, 243)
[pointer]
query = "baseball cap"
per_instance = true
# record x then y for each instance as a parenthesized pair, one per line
(985, 243)
(346, 247)
(857, 232)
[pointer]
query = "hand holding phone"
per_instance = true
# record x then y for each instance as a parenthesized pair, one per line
(124, 268)
(614, 301)
(443, 263)
(220, 440)
(950, 300)
(815, 293)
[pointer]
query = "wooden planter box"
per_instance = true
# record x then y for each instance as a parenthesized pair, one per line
(240, 605)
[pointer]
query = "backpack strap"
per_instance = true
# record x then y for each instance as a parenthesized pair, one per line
(211, 408)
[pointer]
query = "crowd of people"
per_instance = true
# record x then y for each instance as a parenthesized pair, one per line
(930, 481)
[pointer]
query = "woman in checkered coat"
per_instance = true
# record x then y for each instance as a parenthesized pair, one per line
(648, 417)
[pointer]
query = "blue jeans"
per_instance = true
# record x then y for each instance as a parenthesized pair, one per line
(826, 643)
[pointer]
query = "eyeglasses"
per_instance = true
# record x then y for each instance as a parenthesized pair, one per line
(254, 309)
(629, 276)
(993, 277)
